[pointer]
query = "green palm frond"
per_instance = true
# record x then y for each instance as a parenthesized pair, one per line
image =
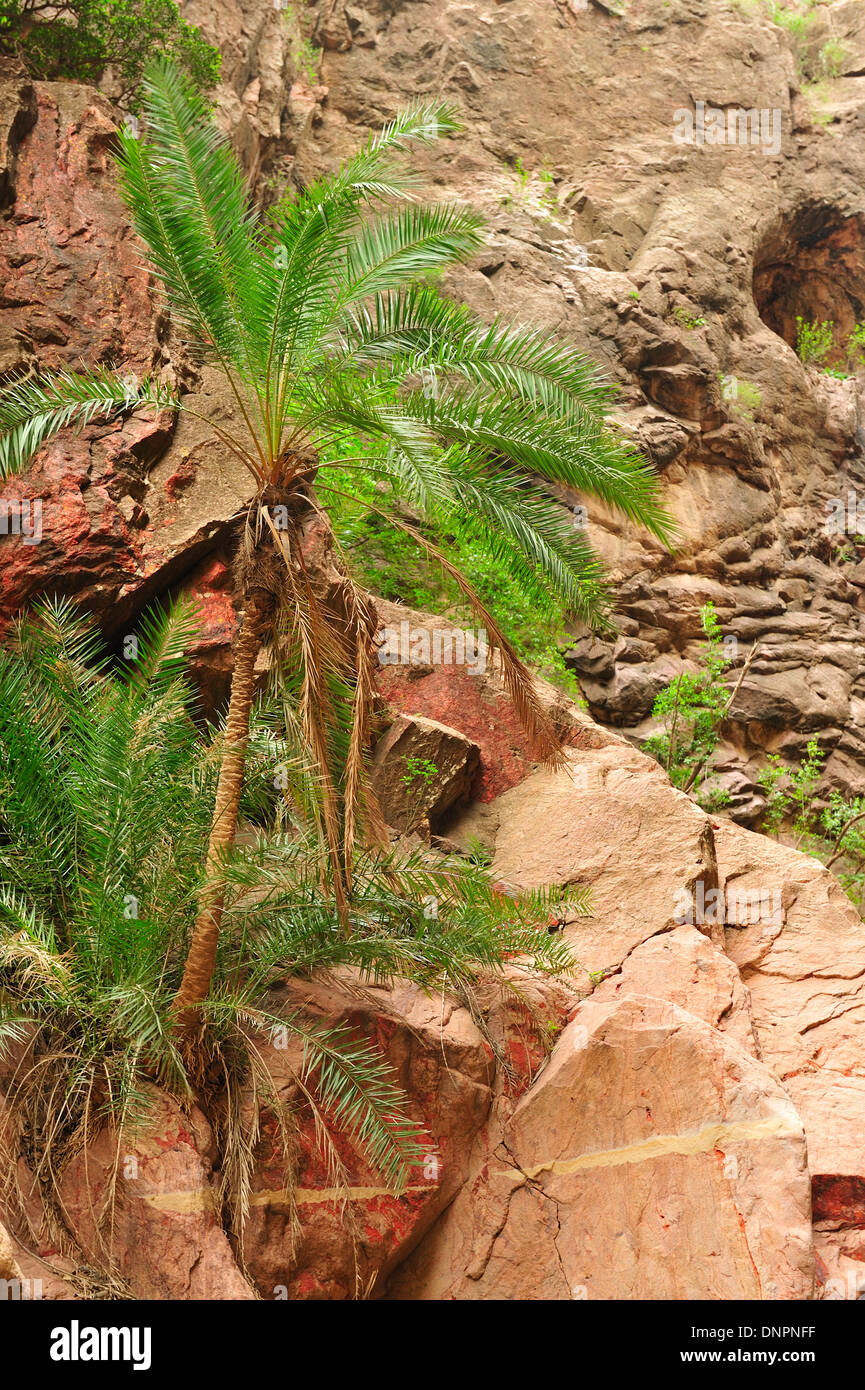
(530, 532)
(106, 794)
(371, 173)
(399, 248)
(416, 329)
(352, 1081)
(564, 448)
(162, 642)
(34, 410)
(208, 224)
(358, 1089)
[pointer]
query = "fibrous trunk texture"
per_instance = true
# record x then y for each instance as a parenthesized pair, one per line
(200, 962)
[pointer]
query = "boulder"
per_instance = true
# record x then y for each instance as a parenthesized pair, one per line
(755, 938)
(608, 821)
(420, 770)
(683, 967)
(167, 1240)
(803, 962)
(649, 1133)
(465, 694)
(346, 1229)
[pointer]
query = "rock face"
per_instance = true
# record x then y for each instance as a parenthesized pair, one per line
(73, 288)
(756, 944)
(719, 996)
(168, 1237)
(321, 1223)
(804, 966)
(9, 1268)
(353, 1229)
(682, 267)
(649, 1133)
(703, 1093)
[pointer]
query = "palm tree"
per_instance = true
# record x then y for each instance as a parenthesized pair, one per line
(340, 352)
(106, 798)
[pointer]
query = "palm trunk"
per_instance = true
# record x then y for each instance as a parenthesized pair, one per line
(201, 959)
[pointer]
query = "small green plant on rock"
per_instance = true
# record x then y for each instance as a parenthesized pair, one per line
(712, 799)
(684, 319)
(834, 832)
(770, 781)
(533, 199)
(692, 708)
(419, 772)
(856, 347)
(814, 341)
(830, 59)
(843, 823)
(793, 20)
(743, 399)
(790, 792)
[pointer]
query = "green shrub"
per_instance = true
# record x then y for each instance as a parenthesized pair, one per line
(856, 347)
(830, 59)
(692, 708)
(84, 37)
(814, 341)
(833, 833)
(684, 319)
(743, 399)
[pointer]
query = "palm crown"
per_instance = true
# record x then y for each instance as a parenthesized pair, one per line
(341, 354)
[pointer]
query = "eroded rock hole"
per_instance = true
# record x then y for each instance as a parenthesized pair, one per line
(811, 265)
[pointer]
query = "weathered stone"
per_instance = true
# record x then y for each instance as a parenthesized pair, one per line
(466, 694)
(353, 1228)
(685, 968)
(802, 956)
(168, 1241)
(610, 809)
(420, 770)
(649, 1134)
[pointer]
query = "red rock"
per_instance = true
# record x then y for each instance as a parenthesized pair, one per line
(168, 1239)
(352, 1234)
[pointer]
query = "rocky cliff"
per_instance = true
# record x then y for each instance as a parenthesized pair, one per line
(695, 1132)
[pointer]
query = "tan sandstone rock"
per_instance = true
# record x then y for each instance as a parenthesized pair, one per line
(804, 965)
(610, 821)
(168, 1241)
(652, 1159)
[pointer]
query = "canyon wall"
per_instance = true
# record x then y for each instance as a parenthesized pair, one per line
(729, 1162)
